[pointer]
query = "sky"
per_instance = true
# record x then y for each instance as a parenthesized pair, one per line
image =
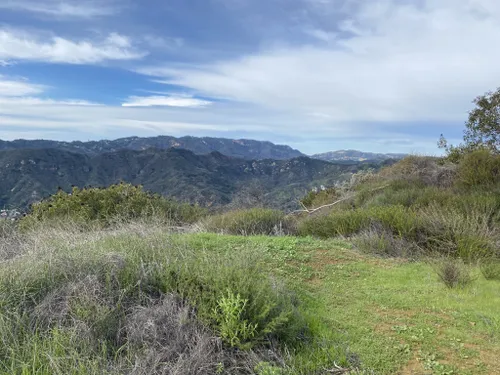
(318, 75)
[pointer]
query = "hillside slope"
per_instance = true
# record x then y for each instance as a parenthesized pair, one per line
(212, 179)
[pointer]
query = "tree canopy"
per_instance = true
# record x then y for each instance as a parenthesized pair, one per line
(482, 129)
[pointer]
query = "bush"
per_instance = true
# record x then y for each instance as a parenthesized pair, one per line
(255, 221)
(7, 228)
(398, 219)
(490, 268)
(337, 223)
(426, 170)
(103, 207)
(380, 241)
(463, 232)
(479, 168)
(454, 273)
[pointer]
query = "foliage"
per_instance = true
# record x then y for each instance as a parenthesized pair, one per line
(250, 222)
(124, 300)
(479, 168)
(117, 203)
(490, 268)
(453, 273)
(483, 125)
(420, 205)
(378, 240)
(482, 129)
(232, 328)
(315, 199)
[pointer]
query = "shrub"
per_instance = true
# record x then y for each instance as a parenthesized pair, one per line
(255, 221)
(426, 170)
(479, 168)
(337, 223)
(453, 273)
(461, 232)
(490, 268)
(380, 241)
(7, 228)
(103, 207)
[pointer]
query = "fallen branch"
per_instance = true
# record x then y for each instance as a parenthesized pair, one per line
(320, 207)
(310, 211)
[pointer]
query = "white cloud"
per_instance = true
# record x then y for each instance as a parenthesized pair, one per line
(168, 101)
(11, 88)
(59, 8)
(402, 61)
(18, 45)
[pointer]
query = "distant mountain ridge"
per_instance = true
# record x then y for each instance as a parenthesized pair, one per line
(355, 155)
(29, 175)
(240, 148)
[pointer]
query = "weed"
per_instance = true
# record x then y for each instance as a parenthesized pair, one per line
(454, 273)
(490, 268)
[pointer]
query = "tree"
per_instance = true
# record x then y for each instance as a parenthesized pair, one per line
(483, 126)
(482, 129)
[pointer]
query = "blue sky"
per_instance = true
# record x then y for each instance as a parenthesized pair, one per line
(319, 75)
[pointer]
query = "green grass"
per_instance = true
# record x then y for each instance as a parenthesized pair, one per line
(369, 314)
(388, 316)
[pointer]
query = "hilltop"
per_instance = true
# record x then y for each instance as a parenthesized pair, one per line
(241, 148)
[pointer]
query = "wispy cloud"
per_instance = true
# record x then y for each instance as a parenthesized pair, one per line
(19, 45)
(165, 101)
(63, 9)
(11, 87)
(396, 62)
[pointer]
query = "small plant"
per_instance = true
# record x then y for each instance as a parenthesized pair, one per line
(454, 273)
(233, 329)
(490, 268)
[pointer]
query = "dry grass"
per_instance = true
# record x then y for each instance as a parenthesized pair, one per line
(112, 299)
(425, 169)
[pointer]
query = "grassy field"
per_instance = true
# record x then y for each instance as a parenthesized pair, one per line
(389, 316)
(367, 315)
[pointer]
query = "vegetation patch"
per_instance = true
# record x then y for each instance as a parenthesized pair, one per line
(114, 204)
(254, 221)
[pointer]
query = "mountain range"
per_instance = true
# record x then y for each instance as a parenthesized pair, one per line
(240, 148)
(186, 168)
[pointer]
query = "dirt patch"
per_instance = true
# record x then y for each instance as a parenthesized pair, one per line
(413, 367)
(323, 258)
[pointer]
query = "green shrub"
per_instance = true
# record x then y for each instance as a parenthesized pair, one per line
(398, 219)
(103, 207)
(479, 168)
(461, 232)
(490, 268)
(255, 221)
(337, 223)
(453, 273)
